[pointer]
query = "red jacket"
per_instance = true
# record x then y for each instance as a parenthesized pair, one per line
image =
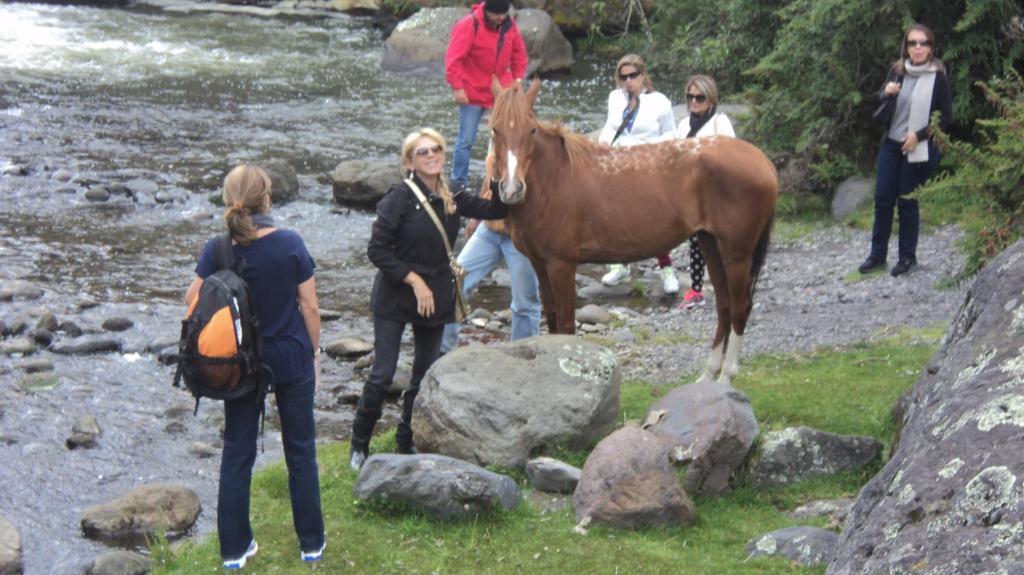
(470, 60)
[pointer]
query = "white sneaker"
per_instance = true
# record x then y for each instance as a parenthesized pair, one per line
(616, 273)
(314, 556)
(240, 562)
(669, 282)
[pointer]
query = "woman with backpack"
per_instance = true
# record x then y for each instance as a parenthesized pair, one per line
(416, 282)
(279, 272)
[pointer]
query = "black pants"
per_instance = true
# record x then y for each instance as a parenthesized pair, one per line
(387, 340)
(895, 179)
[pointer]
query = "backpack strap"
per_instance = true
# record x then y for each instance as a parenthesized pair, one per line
(225, 255)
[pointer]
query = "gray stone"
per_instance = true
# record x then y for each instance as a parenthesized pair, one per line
(87, 347)
(119, 563)
(329, 314)
(808, 546)
(797, 453)
(362, 183)
(43, 381)
(629, 483)
(36, 365)
(284, 182)
(951, 497)
(21, 290)
(142, 513)
(203, 450)
(41, 337)
(164, 197)
(547, 48)
(505, 403)
(593, 313)
(441, 486)
(10, 549)
(11, 169)
(19, 346)
(835, 510)
(348, 348)
(851, 194)
(117, 324)
(70, 328)
(551, 475)
(711, 428)
(84, 433)
(97, 194)
(47, 322)
(197, 214)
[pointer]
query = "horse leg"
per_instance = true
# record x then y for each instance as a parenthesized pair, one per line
(719, 280)
(738, 277)
(562, 279)
(546, 296)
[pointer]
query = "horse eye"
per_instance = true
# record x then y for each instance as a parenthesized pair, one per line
(533, 131)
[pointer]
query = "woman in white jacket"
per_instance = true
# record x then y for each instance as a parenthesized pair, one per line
(704, 121)
(637, 114)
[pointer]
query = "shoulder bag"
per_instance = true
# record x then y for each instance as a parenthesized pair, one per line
(457, 270)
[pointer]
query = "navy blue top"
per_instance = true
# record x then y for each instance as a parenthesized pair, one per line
(275, 265)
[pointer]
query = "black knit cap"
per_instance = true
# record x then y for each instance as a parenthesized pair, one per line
(497, 6)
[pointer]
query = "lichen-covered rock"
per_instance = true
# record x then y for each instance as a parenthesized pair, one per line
(506, 403)
(951, 498)
(806, 545)
(798, 453)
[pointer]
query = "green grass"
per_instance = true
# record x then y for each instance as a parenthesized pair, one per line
(848, 391)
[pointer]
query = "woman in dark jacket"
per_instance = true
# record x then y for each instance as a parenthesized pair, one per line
(915, 87)
(414, 283)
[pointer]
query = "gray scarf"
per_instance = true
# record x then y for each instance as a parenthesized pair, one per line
(920, 104)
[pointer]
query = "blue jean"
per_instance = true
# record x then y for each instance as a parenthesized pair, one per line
(895, 179)
(298, 431)
(469, 121)
(479, 257)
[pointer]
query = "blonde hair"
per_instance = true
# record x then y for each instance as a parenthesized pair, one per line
(636, 61)
(707, 86)
(246, 192)
(407, 152)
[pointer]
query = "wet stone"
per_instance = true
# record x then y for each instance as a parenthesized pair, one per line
(41, 336)
(117, 324)
(20, 346)
(164, 197)
(97, 194)
(3, 328)
(69, 190)
(43, 381)
(119, 563)
(17, 327)
(6, 295)
(21, 290)
(203, 450)
(87, 304)
(70, 328)
(64, 176)
(36, 366)
(47, 322)
(84, 433)
(14, 170)
(175, 427)
(88, 347)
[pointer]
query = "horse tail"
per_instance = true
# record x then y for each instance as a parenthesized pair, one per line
(760, 253)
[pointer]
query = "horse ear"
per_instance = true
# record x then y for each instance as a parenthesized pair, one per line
(495, 86)
(531, 94)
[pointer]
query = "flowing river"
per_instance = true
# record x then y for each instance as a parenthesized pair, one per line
(165, 102)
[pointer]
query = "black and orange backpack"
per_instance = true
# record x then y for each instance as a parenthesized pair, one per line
(220, 353)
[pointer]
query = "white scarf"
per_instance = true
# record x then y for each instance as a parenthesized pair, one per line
(920, 105)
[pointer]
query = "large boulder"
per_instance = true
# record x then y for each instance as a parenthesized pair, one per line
(441, 486)
(418, 44)
(628, 482)
(504, 404)
(10, 548)
(797, 453)
(951, 498)
(141, 513)
(713, 426)
(362, 183)
(284, 185)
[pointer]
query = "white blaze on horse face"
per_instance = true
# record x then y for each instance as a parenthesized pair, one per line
(510, 172)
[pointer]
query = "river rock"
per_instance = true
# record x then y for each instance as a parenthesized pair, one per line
(362, 183)
(440, 486)
(807, 546)
(548, 49)
(3, 329)
(10, 548)
(284, 182)
(951, 497)
(502, 404)
(552, 475)
(13, 169)
(851, 194)
(628, 482)
(142, 513)
(43, 381)
(329, 314)
(47, 321)
(203, 450)
(19, 346)
(117, 324)
(797, 453)
(348, 348)
(84, 433)
(119, 563)
(87, 347)
(70, 328)
(21, 290)
(593, 314)
(357, 6)
(42, 337)
(62, 176)
(712, 427)
(17, 327)
(36, 365)
(97, 194)
(197, 214)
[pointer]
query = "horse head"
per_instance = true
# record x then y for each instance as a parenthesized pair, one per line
(513, 127)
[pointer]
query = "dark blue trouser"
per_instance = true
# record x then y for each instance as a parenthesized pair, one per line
(298, 431)
(895, 179)
(387, 340)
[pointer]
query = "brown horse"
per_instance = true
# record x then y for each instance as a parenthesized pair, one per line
(573, 201)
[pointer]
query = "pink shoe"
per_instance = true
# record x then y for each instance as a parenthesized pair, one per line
(692, 299)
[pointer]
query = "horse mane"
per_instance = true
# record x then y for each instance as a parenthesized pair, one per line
(578, 147)
(511, 108)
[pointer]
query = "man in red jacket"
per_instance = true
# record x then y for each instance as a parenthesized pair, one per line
(486, 43)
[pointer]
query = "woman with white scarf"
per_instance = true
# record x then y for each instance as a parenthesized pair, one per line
(915, 87)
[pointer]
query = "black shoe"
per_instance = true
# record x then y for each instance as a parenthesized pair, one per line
(871, 264)
(902, 267)
(407, 450)
(357, 459)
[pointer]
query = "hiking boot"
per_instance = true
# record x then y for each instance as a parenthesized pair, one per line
(357, 459)
(871, 264)
(407, 449)
(692, 299)
(902, 267)
(240, 562)
(616, 274)
(669, 281)
(314, 556)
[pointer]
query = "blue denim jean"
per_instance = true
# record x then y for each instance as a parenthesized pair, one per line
(895, 179)
(298, 432)
(469, 121)
(482, 253)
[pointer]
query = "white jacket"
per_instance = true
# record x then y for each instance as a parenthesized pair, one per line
(654, 120)
(718, 125)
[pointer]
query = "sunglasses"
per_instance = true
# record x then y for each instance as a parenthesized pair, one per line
(630, 76)
(427, 150)
(699, 98)
(918, 43)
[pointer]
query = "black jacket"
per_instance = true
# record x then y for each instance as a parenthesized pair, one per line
(404, 238)
(942, 100)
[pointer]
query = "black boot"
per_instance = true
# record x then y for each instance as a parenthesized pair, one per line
(367, 413)
(403, 435)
